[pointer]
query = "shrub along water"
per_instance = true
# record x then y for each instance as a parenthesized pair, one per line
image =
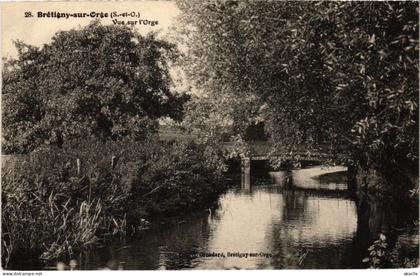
(176, 177)
(52, 208)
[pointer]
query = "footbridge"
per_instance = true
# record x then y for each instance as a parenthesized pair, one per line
(266, 151)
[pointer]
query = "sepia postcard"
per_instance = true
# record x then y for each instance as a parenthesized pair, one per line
(209, 135)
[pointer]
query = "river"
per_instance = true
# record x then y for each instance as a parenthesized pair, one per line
(269, 226)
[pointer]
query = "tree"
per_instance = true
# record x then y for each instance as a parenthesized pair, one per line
(336, 76)
(105, 82)
(214, 61)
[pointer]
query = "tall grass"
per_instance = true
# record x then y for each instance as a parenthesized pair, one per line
(51, 211)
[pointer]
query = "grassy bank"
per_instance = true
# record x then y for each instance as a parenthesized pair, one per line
(58, 201)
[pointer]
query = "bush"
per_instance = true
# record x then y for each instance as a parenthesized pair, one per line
(176, 177)
(51, 211)
(382, 256)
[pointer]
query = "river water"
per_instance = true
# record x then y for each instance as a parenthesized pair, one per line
(312, 225)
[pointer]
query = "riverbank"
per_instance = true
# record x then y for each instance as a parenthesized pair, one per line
(117, 195)
(57, 202)
(281, 228)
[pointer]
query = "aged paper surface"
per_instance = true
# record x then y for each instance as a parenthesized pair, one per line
(209, 135)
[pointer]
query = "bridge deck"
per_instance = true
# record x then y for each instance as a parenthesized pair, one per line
(265, 150)
(257, 150)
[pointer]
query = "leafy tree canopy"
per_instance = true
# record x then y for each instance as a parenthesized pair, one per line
(338, 75)
(105, 82)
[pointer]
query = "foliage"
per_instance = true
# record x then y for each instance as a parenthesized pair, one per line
(51, 211)
(205, 121)
(378, 253)
(380, 256)
(333, 76)
(176, 177)
(104, 82)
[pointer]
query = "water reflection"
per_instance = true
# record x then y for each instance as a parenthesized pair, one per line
(284, 228)
(383, 214)
(314, 231)
(282, 224)
(315, 178)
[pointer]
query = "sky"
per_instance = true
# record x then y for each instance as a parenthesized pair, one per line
(39, 30)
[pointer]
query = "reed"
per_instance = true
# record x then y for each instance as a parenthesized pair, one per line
(56, 202)
(46, 208)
